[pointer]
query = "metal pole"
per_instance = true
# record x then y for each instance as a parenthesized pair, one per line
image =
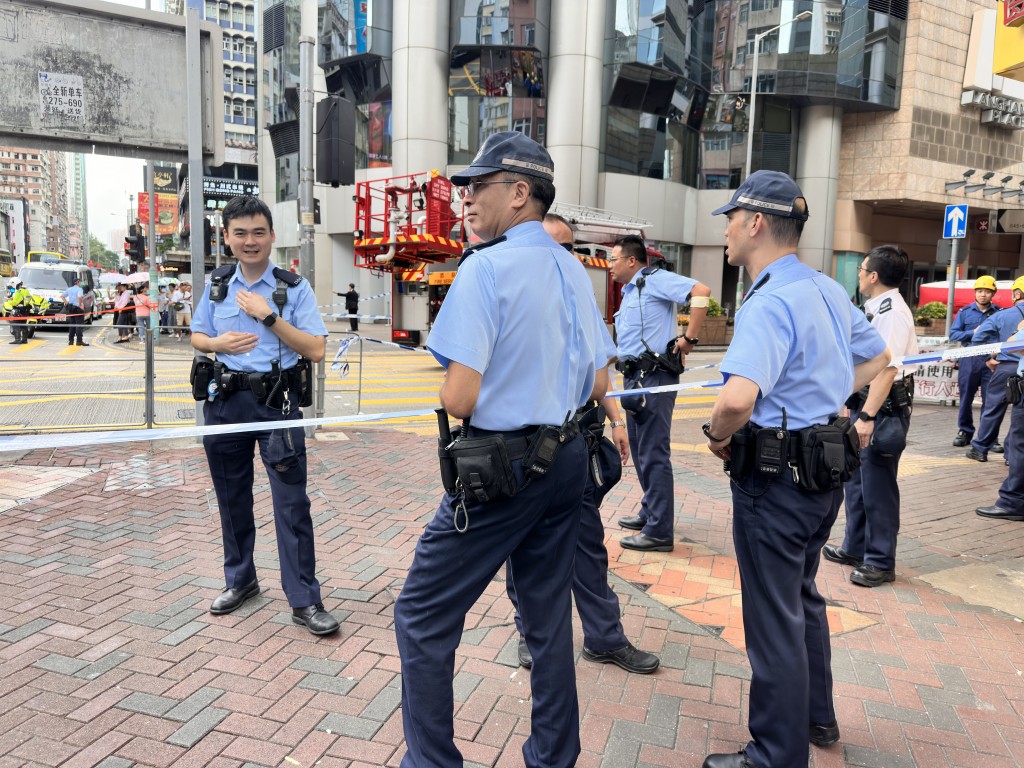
(752, 115)
(952, 283)
(148, 339)
(217, 226)
(154, 317)
(359, 394)
(307, 254)
(193, 87)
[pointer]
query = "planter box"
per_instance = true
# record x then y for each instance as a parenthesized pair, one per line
(714, 332)
(934, 328)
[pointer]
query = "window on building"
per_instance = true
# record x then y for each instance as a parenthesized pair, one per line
(763, 5)
(227, 109)
(769, 44)
(744, 13)
(522, 125)
(832, 37)
(238, 45)
(529, 34)
(211, 10)
(834, 17)
(238, 15)
(237, 110)
(250, 111)
(250, 48)
(508, 37)
(716, 143)
(721, 35)
(765, 83)
(226, 45)
(250, 20)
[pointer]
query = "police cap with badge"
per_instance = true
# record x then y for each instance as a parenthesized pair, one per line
(770, 192)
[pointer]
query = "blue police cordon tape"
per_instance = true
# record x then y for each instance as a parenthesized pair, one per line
(79, 439)
(357, 317)
(361, 298)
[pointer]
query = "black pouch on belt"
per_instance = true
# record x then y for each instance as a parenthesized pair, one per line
(827, 455)
(199, 377)
(741, 459)
(483, 467)
(1013, 389)
(446, 436)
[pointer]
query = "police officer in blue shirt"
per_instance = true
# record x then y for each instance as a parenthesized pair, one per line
(1010, 504)
(799, 349)
(258, 377)
(645, 325)
(74, 300)
(972, 373)
(518, 335)
(999, 327)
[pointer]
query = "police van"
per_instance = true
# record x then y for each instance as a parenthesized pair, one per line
(50, 280)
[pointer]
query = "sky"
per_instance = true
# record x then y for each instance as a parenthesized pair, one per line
(109, 180)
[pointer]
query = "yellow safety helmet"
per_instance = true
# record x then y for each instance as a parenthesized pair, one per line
(985, 281)
(1018, 284)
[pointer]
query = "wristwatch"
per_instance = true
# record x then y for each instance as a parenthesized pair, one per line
(688, 340)
(706, 429)
(619, 423)
(864, 417)
(270, 319)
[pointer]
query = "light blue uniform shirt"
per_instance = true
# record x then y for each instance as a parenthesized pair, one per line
(74, 295)
(522, 313)
(650, 311)
(798, 337)
(215, 318)
(1000, 327)
(1019, 336)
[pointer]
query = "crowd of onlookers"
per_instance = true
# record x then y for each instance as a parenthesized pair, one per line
(133, 307)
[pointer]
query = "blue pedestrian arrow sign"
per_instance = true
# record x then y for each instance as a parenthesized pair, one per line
(954, 225)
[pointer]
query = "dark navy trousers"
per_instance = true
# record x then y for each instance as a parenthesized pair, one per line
(597, 603)
(230, 456)
(778, 537)
(873, 507)
(650, 435)
(971, 376)
(536, 530)
(1011, 492)
(995, 407)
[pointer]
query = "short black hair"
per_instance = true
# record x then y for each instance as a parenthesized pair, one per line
(633, 245)
(246, 205)
(554, 218)
(890, 262)
(541, 190)
(783, 230)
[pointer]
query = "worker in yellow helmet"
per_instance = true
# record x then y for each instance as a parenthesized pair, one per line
(972, 373)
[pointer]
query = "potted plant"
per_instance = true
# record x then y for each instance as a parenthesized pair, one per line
(930, 319)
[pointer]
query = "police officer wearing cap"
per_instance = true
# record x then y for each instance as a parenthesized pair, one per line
(258, 348)
(519, 337)
(882, 414)
(799, 349)
(645, 325)
(999, 327)
(604, 640)
(972, 373)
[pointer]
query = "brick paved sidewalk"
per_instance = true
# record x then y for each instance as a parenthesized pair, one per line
(109, 558)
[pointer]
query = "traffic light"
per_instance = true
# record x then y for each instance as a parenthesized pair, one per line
(134, 245)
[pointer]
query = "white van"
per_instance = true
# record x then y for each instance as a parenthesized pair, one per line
(51, 280)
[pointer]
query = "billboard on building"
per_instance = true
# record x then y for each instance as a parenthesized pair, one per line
(166, 212)
(18, 211)
(1008, 57)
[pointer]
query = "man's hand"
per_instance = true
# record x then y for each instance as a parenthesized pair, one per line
(253, 304)
(864, 431)
(621, 440)
(683, 347)
(235, 343)
(992, 364)
(722, 449)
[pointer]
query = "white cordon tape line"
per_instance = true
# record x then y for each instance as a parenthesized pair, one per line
(72, 439)
(393, 344)
(664, 388)
(362, 298)
(358, 317)
(955, 353)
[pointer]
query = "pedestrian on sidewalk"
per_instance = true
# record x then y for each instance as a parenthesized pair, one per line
(972, 373)
(519, 337)
(143, 307)
(185, 313)
(646, 326)
(604, 640)
(74, 307)
(882, 415)
(998, 327)
(122, 314)
(351, 305)
(794, 325)
(258, 377)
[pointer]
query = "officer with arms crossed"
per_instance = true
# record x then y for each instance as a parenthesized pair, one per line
(999, 327)
(799, 349)
(645, 326)
(882, 414)
(519, 336)
(604, 640)
(260, 320)
(972, 373)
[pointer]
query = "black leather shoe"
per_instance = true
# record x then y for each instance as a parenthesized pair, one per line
(997, 447)
(961, 439)
(83, 343)
(871, 576)
(629, 657)
(735, 760)
(823, 735)
(645, 543)
(231, 599)
(839, 555)
(315, 619)
(525, 657)
(976, 455)
(999, 513)
(635, 523)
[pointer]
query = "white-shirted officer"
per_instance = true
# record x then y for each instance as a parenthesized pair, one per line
(519, 336)
(882, 414)
(799, 349)
(645, 326)
(256, 379)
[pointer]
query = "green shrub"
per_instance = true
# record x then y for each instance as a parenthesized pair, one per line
(934, 310)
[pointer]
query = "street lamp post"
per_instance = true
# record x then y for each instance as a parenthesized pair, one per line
(753, 113)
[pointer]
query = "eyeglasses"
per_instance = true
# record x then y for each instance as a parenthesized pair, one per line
(473, 187)
(865, 271)
(618, 258)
